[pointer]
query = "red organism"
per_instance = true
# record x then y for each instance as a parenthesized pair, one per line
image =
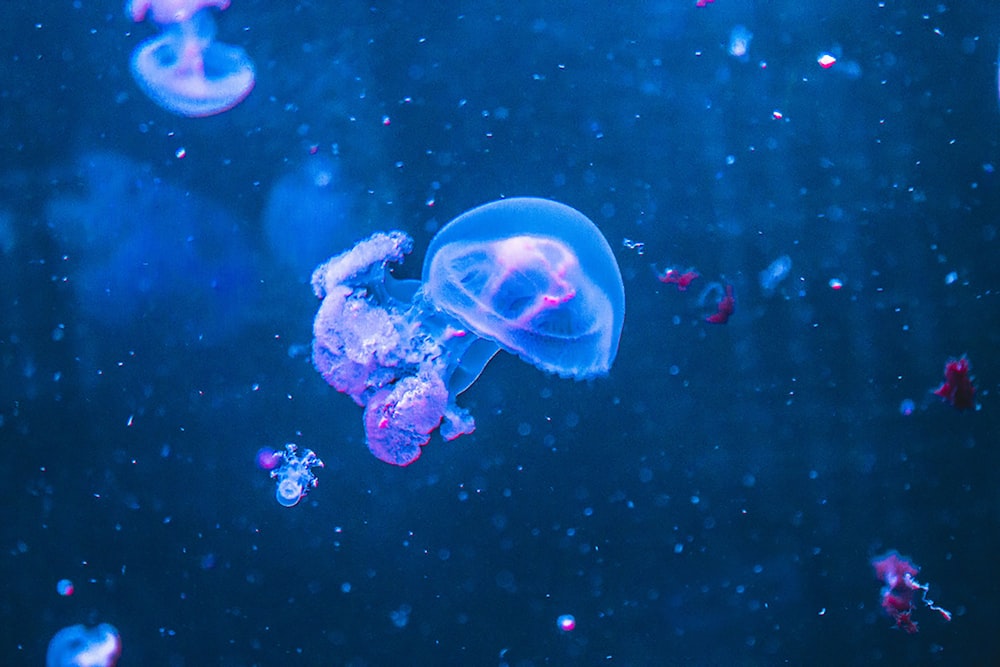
(901, 591)
(958, 389)
(725, 308)
(675, 277)
(703, 3)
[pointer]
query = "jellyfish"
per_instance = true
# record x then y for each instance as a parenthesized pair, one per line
(183, 69)
(291, 471)
(80, 646)
(529, 276)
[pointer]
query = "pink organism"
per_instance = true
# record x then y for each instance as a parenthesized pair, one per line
(957, 388)
(703, 3)
(675, 277)
(901, 592)
(724, 308)
(184, 69)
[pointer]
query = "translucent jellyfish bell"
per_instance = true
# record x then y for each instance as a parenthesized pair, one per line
(534, 276)
(184, 69)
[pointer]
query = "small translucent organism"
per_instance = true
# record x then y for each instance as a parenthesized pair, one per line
(530, 276)
(900, 590)
(676, 277)
(65, 587)
(957, 388)
(725, 307)
(566, 623)
(739, 42)
(775, 272)
(907, 406)
(184, 69)
(80, 646)
(401, 617)
(291, 471)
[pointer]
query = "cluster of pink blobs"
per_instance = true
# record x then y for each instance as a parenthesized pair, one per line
(183, 69)
(902, 591)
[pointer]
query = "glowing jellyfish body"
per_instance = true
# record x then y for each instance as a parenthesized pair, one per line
(292, 473)
(184, 69)
(80, 646)
(530, 276)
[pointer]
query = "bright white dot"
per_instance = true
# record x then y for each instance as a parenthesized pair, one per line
(826, 61)
(566, 623)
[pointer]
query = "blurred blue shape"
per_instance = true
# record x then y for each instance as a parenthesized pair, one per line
(139, 249)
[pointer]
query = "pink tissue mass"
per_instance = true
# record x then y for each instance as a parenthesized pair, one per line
(900, 592)
(184, 69)
(957, 388)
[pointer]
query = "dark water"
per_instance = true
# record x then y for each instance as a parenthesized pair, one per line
(715, 500)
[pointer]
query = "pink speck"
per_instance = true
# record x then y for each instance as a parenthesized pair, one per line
(268, 459)
(826, 61)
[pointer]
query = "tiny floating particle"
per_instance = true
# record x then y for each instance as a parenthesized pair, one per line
(566, 623)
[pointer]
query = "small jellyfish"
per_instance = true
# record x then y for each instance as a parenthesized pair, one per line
(775, 272)
(184, 69)
(530, 276)
(739, 42)
(293, 475)
(80, 646)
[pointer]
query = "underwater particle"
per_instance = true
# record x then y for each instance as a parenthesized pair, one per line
(65, 587)
(826, 61)
(836, 284)
(401, 617)
(566, 622)
(907, 407)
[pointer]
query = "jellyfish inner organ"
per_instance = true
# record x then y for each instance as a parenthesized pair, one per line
(495, 278)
